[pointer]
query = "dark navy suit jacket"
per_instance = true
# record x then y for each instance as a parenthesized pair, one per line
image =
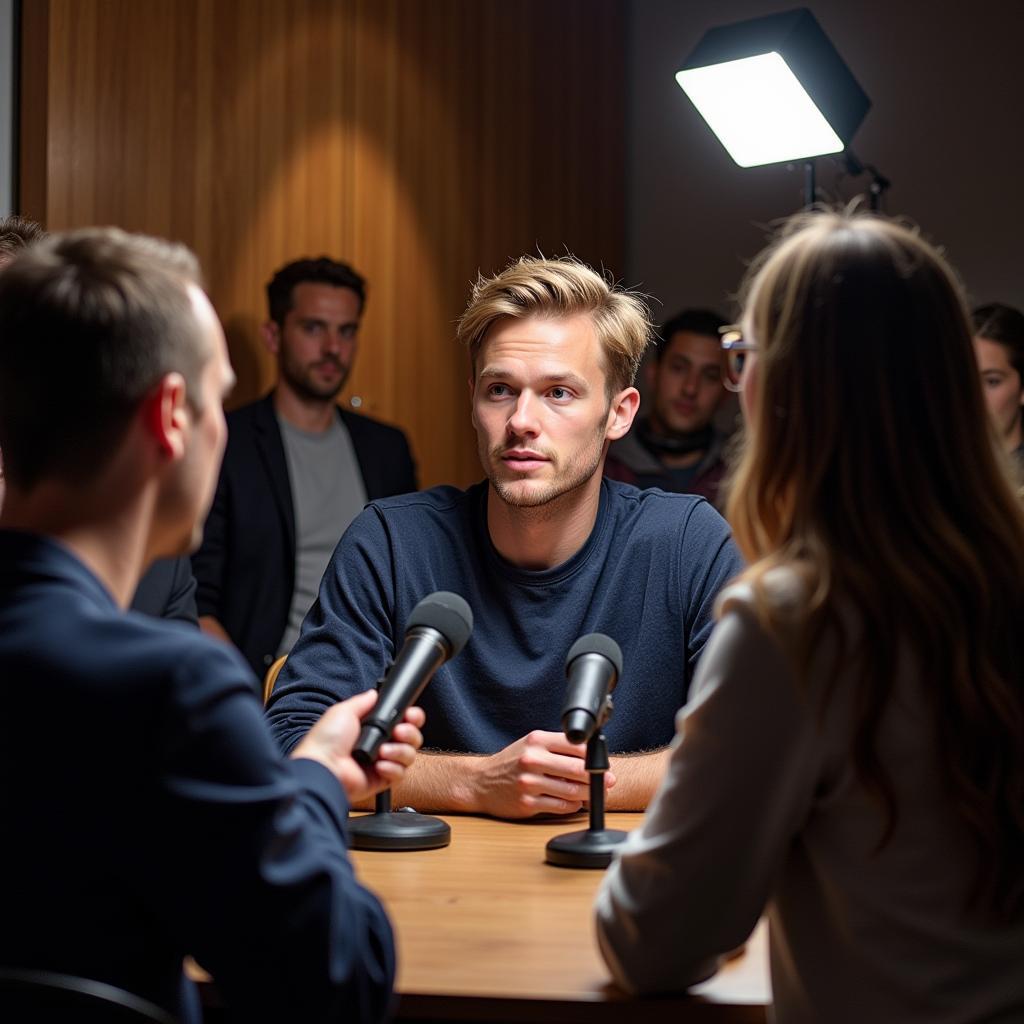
(168, 591)
(245, 569)
(147, 814)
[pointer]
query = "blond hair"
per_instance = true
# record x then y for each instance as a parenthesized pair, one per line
(872, 470)
(556, 289)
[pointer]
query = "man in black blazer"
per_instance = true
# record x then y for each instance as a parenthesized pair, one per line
(298, 468)
(150, 815)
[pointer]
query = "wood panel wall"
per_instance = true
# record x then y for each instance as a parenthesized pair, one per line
(420, 140)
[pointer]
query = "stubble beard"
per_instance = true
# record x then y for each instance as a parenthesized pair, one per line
(666, 428)
(576, 474)
(301, 381)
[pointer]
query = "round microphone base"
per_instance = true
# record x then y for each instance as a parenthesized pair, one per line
(398, 830)
(591, 848)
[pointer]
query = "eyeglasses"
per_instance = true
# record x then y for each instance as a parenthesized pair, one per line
(735, 349)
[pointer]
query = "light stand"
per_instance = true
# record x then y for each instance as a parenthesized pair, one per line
(403, 829)
(593, 847)
(879, 184)
(809, 185)
(775, 90)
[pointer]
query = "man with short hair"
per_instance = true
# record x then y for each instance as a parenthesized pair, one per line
(544, 550)
(167, 589)
(297, 470)
(16, 233)
(677, 447)
(150, 815)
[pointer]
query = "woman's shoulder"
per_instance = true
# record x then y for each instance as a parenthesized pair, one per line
(774, 595)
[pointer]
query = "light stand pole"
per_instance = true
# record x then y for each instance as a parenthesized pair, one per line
(810, 187)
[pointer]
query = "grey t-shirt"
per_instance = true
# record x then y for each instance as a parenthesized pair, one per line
(328, 493)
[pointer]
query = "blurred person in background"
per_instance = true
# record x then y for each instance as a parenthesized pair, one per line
(677, 446)
(999, 349)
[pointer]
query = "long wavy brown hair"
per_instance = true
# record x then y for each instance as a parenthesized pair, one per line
(871, 469)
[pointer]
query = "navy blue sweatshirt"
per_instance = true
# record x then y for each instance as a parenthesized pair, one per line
(647, 576)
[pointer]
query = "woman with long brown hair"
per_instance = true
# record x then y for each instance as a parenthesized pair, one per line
(852, 755)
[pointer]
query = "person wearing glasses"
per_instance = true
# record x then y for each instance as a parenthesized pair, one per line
(677, 446)
(851, 760)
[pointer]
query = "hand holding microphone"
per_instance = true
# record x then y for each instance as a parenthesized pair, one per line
(438, 629)
(332, 738)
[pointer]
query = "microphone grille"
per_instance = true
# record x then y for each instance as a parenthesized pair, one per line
(596, 643)
(449, 614)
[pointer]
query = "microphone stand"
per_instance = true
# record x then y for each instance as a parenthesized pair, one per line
(593, 847)
(404, 829)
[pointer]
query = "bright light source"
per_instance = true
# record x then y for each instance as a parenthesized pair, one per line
(759, 110)
(774, 89)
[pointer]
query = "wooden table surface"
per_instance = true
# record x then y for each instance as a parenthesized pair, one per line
(487, 931)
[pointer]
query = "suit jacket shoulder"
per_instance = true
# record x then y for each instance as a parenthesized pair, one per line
(385, 460)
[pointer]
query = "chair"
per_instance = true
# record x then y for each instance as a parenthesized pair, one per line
(271, 677)
(32, 996)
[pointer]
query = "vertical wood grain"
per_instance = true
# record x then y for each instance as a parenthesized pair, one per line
(420, 141)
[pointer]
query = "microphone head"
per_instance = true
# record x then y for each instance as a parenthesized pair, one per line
(596, 643)
(448, 614)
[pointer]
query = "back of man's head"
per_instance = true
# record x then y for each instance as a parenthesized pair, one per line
(17, 233)
(322, 270)
(90, 321)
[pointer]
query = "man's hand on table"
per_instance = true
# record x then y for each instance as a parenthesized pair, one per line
(542, 773)
(331, 740)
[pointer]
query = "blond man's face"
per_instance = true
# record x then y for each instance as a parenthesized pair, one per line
(540, 407)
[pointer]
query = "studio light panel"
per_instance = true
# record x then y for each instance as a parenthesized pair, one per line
(759, 110)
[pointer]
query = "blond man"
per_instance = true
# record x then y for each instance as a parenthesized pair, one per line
(543, 550)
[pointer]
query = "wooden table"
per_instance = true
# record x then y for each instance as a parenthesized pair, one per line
(487, 931)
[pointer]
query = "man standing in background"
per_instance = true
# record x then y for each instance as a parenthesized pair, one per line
(298, 468)
(677, 447)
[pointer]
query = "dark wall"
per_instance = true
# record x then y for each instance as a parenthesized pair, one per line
(947, 86)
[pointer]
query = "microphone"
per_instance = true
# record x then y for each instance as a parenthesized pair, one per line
(438, 629)
(593, 666)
